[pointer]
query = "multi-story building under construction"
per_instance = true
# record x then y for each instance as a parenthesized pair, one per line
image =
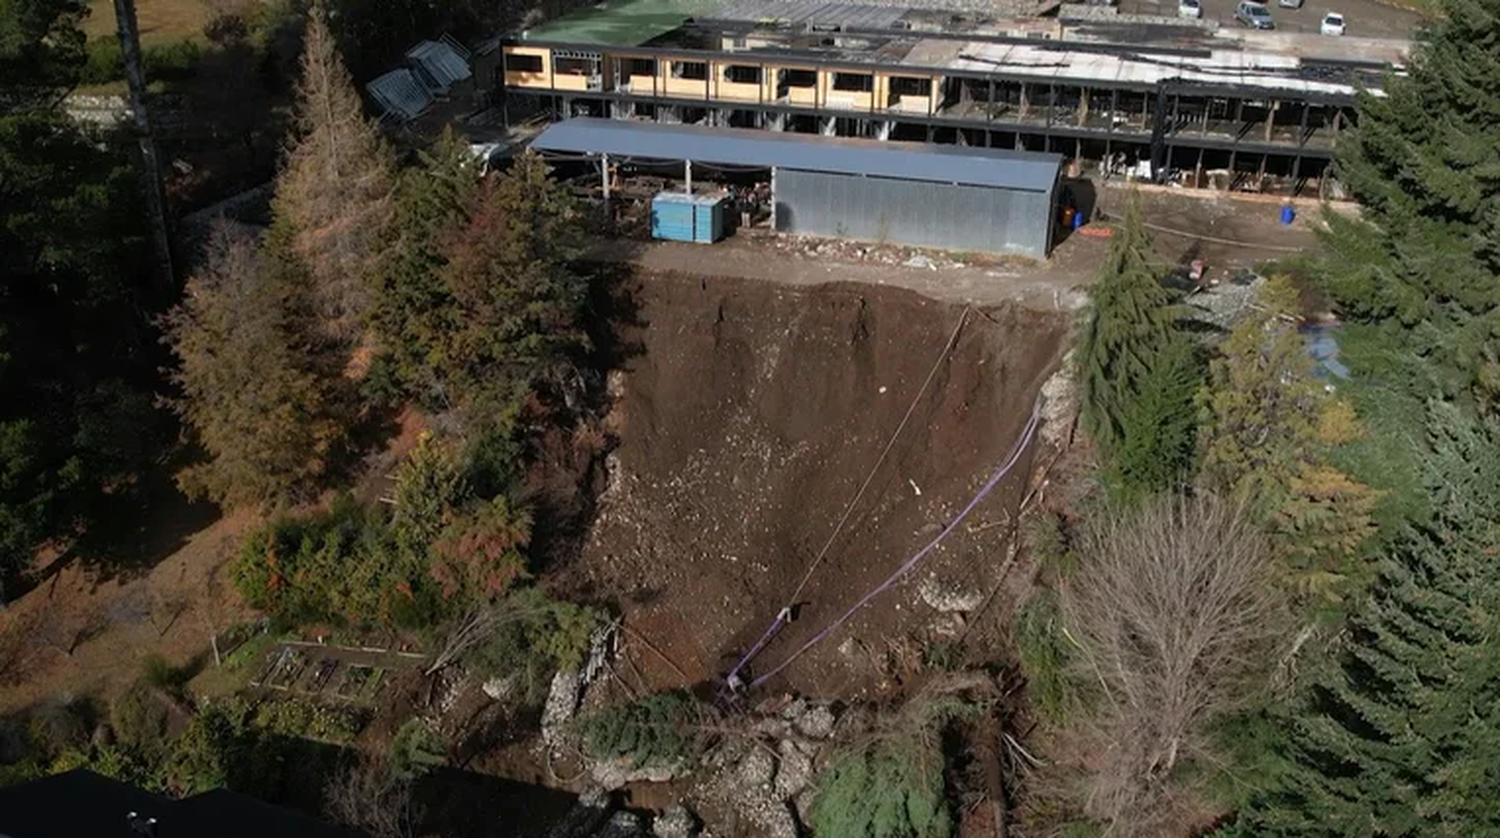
(1163, 99)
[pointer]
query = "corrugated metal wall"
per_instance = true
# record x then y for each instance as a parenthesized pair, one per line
(913, 213)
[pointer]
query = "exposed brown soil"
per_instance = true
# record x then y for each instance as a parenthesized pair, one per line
(747, 420)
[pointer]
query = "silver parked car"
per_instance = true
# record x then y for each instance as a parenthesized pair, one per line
(1254, 15)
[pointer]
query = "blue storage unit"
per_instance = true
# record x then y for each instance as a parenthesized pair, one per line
(676, 216)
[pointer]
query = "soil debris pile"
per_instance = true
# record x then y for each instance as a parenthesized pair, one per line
(747, 418)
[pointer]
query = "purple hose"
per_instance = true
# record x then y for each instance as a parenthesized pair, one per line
(984, 491)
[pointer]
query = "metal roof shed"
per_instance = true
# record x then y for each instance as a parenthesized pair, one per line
(952, 197)
(439, 65)
(400, 92)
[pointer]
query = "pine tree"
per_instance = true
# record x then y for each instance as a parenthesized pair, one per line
(252, 388)
(1422, 164)
(518, 319)
(334, 192)
(1267, 427)
(1159, 426)
(414, 309)
(1129, 322)
(1261, 405)
(1402, 738)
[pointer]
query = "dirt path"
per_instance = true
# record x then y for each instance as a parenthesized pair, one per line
(1055, 285)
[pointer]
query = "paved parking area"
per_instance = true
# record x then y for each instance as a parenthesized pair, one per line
(1363, 18)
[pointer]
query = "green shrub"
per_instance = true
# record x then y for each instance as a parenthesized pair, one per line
(336, 566)
(161, 674)
(1045, 657)
(289, 717)
(536, 636)
(161, 62)
(58, 725)
(889, 788)
(416, 751)
(334, 724)
(139, 718)
(656, 730)
(114, 761)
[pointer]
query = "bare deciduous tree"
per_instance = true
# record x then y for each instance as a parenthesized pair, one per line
(1173, 607)
(363, 795)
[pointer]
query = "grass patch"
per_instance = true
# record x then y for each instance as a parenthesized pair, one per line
(239, 667)
(1045, 658)
(1385, 391)
(161, 21)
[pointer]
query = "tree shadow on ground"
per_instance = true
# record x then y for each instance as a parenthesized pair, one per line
(571, 460)
(464, 804)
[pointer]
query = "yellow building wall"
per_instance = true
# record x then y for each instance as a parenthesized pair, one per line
(910, 104)
(725, 89)
(516, 78)
(848, 100)
(682, 88)
(569, 81)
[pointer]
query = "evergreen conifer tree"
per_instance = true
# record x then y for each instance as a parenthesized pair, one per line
(334, 191)
(1128, 324)
(253, 389)
(518, 318)
(1159, 425)
(1425, 255)
(1267, 428)
(414, 309)
(1402, 738)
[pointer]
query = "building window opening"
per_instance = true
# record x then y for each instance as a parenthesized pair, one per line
(641, 67)
(854, 82)
(807, 79)
(569, 66)
(905, 86)
(740, 74)
(523, 63)
(691, 70)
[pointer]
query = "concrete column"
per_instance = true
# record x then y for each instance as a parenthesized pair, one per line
(604, 169)
(687, 169)
(1271, 117)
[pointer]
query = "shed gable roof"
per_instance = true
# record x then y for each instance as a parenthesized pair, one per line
(974, 166)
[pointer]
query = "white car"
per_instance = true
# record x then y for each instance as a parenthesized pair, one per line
(1333, 24)
(1189, 8)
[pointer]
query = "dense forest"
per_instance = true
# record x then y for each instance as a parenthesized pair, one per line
(1268, 611)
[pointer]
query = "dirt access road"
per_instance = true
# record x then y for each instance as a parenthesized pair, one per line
(1204, 221)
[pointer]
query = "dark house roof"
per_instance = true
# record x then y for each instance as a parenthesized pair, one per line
(82, 804)
(972, 165)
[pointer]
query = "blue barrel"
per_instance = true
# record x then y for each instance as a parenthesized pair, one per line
(1288, 214)
(1077, 219)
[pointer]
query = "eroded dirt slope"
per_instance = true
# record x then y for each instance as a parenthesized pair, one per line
(747, 418)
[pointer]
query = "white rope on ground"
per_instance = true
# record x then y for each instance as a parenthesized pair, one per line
(784, 615)
(911, 409)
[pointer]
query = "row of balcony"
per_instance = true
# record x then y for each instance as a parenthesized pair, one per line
(1042, 104)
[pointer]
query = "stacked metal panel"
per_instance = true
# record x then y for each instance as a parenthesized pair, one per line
(401, 92)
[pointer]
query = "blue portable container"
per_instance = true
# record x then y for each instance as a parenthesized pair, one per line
(1288, 214)
(676, 216)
